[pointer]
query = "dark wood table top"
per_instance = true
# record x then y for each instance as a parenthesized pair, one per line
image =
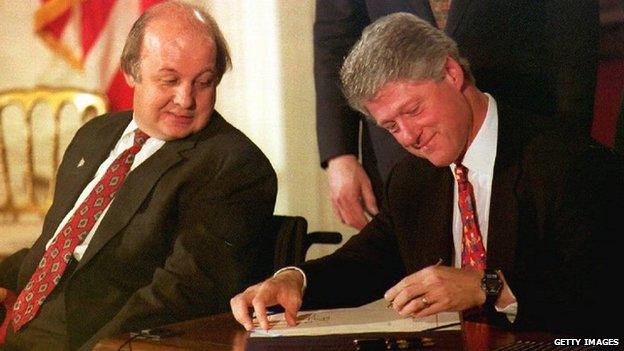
(221, 332)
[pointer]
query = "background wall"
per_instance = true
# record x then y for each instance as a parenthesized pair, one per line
(269, 94)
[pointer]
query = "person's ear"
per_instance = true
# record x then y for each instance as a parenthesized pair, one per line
(454, 73)
(129, 79)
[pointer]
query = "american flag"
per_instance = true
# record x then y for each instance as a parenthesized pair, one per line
(89, 35)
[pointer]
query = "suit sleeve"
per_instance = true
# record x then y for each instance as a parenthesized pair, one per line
(9, 269)
(565, 282)
(357, 273)
(218, 242)
(337, 26)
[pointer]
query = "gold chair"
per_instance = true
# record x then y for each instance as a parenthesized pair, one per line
(37, 192)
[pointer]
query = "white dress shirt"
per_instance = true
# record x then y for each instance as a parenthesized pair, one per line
(127, 139)
(479, 160)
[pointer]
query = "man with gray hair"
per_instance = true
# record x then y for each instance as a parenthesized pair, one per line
(497, 213)
(158, 213)
(540, 56)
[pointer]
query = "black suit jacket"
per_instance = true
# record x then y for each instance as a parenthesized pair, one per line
(181, 237)
(553, 229)
(539, 56)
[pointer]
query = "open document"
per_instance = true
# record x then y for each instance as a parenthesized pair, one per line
(373, 317)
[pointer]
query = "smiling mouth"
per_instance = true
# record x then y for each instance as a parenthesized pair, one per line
(420, 146)
(181, 115)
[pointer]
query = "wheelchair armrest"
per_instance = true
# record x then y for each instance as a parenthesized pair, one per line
(322, 238)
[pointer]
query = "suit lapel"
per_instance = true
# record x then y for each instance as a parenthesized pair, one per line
(438, 236)
(422, 8)
(137, 187)
(503, 221)
(456, 12)
(76, 175)
(94, 152)
(429, 237)
(455, 15)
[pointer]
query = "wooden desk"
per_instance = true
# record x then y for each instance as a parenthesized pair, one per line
(222, 332)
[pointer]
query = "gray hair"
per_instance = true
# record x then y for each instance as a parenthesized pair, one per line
(396, 47)
(130, 57)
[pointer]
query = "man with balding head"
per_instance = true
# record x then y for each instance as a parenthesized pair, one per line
(157, 213)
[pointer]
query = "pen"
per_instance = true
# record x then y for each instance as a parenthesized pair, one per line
(440, 261)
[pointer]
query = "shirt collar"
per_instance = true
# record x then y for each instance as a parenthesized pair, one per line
(129, 132)
(481, 154)
(132, 126)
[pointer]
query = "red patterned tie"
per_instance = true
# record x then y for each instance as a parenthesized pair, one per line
(473, 252)
(51, 267)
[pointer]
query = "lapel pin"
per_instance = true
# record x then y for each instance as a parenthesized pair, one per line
(80, 163)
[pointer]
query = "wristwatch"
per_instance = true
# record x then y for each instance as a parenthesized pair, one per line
(492, 284)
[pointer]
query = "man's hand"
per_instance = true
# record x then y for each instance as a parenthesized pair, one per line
(437, 289)
(350, 188)
(283, 289)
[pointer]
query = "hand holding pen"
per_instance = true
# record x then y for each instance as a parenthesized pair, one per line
(423, 299)
(435, 289)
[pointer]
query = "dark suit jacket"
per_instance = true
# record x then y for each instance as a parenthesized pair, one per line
(180, 239)
(539, 56)
(553, 230)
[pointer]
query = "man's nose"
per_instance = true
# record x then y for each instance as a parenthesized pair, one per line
(409, 134)
(184, 96)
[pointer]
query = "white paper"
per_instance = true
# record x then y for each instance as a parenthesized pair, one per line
(373, 317)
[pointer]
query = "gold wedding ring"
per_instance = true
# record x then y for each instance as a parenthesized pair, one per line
(425, 302)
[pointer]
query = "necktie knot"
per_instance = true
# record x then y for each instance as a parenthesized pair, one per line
(461, 173)
(140, 137)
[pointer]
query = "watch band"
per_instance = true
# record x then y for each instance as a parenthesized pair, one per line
(492, 285)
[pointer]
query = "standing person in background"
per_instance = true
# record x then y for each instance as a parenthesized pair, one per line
(537, 55)
(158, 213)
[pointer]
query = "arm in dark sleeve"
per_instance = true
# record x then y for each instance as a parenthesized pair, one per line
(9, 268)
(215, 254)
(357, 273)
(338, 25)
(566, 281)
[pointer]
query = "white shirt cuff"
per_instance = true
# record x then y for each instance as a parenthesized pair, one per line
(293, 268)
(510, 311)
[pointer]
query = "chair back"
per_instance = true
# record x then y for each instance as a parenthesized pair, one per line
(289, 241)
(292, 240)
(31, 140)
